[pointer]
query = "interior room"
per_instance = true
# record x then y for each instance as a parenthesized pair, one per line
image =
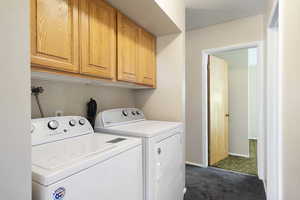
(149, 100)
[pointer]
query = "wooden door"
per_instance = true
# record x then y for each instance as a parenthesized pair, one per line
(218, 109)
(98, 38)
(147, 59)
(54, 34)
(128, 47)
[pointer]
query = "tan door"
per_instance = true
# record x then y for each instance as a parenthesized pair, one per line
(128, 48)
(98, 39)
(218, 109)
(54, 34)
(147, 59)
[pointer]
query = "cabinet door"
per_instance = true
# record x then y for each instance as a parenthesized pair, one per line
(128, 39)
(147, 59)
(54, 34)
(98, 38)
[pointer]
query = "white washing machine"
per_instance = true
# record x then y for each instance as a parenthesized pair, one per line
(163, 164)
(71, 162)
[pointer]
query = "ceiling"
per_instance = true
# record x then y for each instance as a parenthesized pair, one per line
(202, 13)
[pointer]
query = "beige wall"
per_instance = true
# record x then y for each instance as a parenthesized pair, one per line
(71, 98)
(238, 100)
(167, 101)
(15, 142)
(289, 62)
(235, 32)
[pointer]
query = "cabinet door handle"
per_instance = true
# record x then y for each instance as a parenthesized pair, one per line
(227, 115)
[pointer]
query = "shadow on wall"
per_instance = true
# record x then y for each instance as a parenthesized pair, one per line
(210, 16)
(164, 42)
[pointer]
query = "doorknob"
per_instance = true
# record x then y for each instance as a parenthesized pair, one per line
(227, 115)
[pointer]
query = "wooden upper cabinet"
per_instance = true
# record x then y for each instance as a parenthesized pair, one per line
(90, 38)
(54, 34)
(98, 39)
(128, 47)
(147, 59)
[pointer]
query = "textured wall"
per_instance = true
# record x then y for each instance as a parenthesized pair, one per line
(71, 98)
(289, 62)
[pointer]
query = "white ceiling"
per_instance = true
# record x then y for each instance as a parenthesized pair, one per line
(202, 13)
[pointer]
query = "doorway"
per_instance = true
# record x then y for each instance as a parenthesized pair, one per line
(234, 102)
(232, 110)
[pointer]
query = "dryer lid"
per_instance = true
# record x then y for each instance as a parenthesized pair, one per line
(146, 128)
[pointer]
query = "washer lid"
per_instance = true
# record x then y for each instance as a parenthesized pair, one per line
(57, 155)
(146, 128)
(54, 161)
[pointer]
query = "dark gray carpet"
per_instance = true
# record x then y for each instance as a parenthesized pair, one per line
(215, 184)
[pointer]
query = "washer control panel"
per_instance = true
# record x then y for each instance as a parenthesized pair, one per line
(45, 130)
(118, 116)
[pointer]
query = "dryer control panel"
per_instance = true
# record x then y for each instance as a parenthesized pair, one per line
(120, 116)
(51, 129)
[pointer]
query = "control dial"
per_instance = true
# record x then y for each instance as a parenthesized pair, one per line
(125, 113)
(82, 121)
(138, 112)
(72, 122)
(53, 124)
(133, 113)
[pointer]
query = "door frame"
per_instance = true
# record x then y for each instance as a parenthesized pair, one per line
(273, 104)
(261, 98)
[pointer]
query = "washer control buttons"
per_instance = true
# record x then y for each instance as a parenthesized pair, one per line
(124, 112)
(72, 122)
(82, 121)
(53, 124)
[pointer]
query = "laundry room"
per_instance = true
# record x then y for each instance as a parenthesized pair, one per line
(102, 76)
(149, 100)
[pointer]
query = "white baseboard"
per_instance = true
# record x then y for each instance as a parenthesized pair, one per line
(240, 155)
(195, 164)
(254, 138)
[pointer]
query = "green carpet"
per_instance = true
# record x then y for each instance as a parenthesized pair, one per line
(241, 164)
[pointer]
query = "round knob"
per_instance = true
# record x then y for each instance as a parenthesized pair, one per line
(82, 121)
(137, 112)
(133, 113)
(72, 122)
(124, 112)
(53, 124)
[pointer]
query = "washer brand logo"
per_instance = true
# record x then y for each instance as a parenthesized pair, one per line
(59, 193)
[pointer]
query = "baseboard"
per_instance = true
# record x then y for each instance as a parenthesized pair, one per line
(195, 164)
(255, 138)
(240, 155)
